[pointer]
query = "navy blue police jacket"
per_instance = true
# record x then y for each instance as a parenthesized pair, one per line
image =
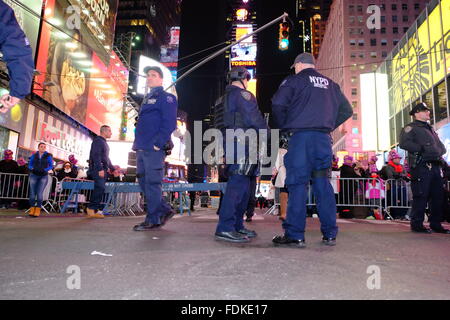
(309, 101)
(99, 155)
(40, 166)
(157, 120)
(17, 53)
(242, 112)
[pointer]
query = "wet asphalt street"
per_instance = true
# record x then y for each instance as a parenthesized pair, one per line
(51, 257)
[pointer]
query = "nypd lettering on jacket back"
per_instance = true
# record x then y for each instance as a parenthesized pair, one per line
(319, 82)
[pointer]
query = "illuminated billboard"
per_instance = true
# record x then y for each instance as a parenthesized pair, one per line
(419, 63)
(178, 155)
(243, 52)
(81, 79)
(242, 30)
(142, 80)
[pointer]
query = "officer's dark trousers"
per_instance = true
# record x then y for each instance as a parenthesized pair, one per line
(234, 204)
(97, 194)
(251, 198)
(427, 187)
(150, 171)
(309, 156)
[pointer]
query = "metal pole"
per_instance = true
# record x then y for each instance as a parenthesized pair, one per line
(226, 48)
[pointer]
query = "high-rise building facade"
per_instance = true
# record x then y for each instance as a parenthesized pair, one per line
(358, 37)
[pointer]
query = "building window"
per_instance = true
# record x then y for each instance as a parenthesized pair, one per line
(382, 6)
(351, 19)
(359, 8)
(354, 91)
(384, 54)
(353, 42)
(383, 42)
(405, 19)
(373, 54)
(362, 55)
(355, 116)
(394, 18)
(355, 131)
(353, 55)
(354, 79)
(440, 102)
(361, 43)
(416, 6)
(351, 8)
(354, 104)
(395, 42)
(383, 30)
(404, 6)
(360, 19)
(394, 7)
(383, 19)
(373, 42)
(405, 29)
(394, 30)
(372, 31)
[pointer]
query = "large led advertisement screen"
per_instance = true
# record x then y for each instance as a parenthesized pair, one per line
(74, 71)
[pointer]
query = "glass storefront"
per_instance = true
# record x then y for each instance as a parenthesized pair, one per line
(418, 69)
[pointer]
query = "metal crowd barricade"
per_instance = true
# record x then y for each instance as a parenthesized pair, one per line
(399, 195)
(355, 192)
(71, 192)
(16, 186)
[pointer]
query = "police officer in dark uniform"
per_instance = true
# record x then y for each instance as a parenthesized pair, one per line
(425, 151)
(17, 54)
(157, 120)
(307, 107)
(239, 110)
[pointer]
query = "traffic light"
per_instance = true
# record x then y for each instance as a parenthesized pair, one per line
(283, 41)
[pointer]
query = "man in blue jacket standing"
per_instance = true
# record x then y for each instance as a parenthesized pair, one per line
(157, 120)
(17, 54)
(99, 164)
(308, 107)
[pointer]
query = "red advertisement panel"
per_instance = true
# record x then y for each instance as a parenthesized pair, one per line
(105, 99)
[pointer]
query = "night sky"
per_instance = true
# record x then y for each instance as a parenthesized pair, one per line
(203, 24)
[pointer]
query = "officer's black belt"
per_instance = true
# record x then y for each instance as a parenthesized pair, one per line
(291, 132)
